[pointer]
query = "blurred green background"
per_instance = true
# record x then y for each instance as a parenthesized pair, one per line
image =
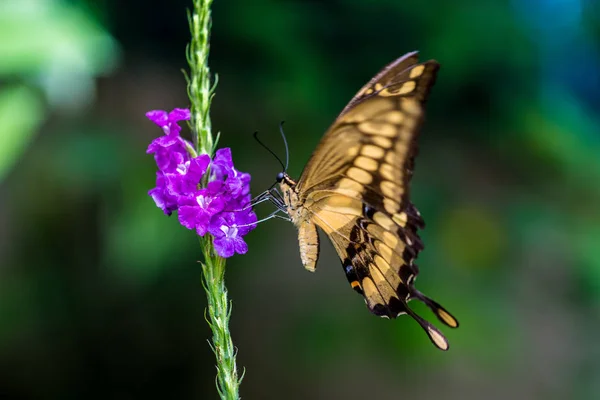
(100, 293)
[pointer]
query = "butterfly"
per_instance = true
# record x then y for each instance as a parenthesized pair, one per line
(355, 188)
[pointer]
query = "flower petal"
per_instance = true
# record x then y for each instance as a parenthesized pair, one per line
(179, 114)
(160, 143)
(161, 196)
(198, 167)
(188, 216)
(222, 164)
(224, 247)
(240, 246)
(159, 117)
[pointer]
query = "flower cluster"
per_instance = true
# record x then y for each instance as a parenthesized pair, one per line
(208, 195)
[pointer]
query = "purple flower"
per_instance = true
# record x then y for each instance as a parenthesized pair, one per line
(168, 122)
(169, 150)
(222, 164)
(238, 183)
(221, 207)
(184, 181)
(163, 198)
(197, 211)
(228, 237)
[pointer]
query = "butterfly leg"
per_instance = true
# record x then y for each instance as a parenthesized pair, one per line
(269, 195)
(277, 198)
(274, 214)
(283, 217)
(260, 198)
(257, 200)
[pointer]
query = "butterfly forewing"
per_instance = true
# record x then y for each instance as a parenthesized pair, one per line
(356, 188)
(396, 73)
(376, 133)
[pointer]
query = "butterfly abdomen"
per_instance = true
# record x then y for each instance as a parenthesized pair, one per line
(308, 239)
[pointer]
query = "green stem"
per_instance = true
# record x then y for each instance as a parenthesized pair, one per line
(219, 312)
(201, 92)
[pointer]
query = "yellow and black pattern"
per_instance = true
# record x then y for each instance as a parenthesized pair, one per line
(355, 188)
(392, 77)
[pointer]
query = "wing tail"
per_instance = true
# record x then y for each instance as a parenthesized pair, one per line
(440, 312)
(436, 337)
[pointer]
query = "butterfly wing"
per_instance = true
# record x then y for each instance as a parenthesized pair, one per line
(386, 111)
(356, 187)
(392, 74)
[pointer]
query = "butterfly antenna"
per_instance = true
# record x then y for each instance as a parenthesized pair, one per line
(269, 150)
(287, 151)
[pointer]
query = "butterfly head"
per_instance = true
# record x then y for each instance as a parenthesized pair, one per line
(285, 182)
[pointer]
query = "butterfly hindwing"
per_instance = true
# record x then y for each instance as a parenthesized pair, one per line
(378, 266)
